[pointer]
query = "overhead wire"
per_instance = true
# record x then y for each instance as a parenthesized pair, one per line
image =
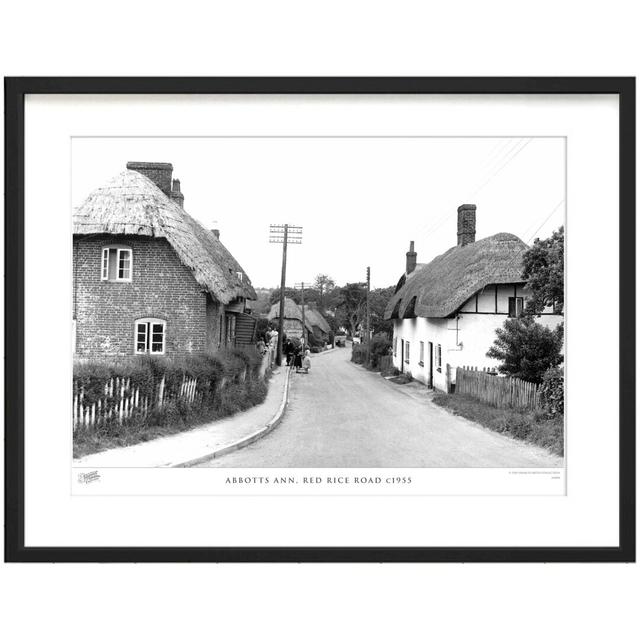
(503, 161)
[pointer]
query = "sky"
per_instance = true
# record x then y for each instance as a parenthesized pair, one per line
(360, 201)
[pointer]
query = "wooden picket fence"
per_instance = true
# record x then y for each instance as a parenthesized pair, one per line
(123, 402)
(498, 391)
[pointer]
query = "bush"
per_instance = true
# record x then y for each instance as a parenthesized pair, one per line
(236, 368)
(526, 348)
(262, 326)
(380, 346)
(552, 391)
(359, 354)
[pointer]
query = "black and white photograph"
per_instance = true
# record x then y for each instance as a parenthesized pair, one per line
(320, 320)
(318, 302)
(358, 317)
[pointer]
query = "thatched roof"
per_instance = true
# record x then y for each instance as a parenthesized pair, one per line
(131, 204)
(316, 320)
(292, 311)
(441, 287)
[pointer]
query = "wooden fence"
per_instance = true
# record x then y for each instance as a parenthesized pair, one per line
(499, 391)
(123, 402)
(385, 363)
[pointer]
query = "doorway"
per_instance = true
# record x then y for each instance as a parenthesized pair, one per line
(430, 385)
(401, 356)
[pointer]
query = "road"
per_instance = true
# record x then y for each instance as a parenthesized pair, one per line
(341, 415)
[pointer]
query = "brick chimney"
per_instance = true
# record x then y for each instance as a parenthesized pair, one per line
(412, 258)
(176, 194)
(216, 233)
(158, 172)
(466, 224)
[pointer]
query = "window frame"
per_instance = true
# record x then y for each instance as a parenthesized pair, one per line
(104, 272)
(148, 323)
(421, 361)
(515, 298)
(439, 358)
(407, 352)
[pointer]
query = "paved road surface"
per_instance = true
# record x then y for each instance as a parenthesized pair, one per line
(341, 415)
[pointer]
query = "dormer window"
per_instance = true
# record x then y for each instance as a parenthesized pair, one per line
(239, 274)
(116, 264)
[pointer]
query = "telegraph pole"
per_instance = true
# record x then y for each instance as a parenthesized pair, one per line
(368, 316)
(305, 333)
(283, 234)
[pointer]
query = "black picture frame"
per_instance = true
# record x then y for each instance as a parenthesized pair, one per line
(15, 91)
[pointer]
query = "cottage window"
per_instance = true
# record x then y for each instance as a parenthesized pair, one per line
(406, 352)
(439, 358)
(150, 336)
(515, 307)
(116, 264)
(395, 346)
(421, 363)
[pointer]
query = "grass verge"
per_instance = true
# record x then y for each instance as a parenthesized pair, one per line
(536, 428)
(175, 419)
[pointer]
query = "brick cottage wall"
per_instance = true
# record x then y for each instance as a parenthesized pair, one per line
(161, 287)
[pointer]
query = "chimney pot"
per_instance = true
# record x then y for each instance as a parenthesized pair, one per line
(176, 194)
(466, 224)
(158, 172)
(412, 258)
(216, 233)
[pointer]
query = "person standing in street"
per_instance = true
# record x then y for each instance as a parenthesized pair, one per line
(288, 351)
(306, 361)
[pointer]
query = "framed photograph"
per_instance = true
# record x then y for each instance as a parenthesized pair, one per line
(320, 319)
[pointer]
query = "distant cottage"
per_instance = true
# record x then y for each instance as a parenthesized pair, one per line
(148, 278)
(445, 313)
(292, 322)
(319, 326)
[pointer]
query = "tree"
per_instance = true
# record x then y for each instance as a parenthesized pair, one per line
(323, 283)
(262, 304)
(526, 348)
(351, 305)
(543, 269)
(378, 300)
(294, 294)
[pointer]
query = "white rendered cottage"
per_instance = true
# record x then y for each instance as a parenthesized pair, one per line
(446, 312)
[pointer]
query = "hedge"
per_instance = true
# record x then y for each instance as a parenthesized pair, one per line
(221, 385)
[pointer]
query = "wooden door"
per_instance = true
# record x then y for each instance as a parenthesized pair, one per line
(402, 356)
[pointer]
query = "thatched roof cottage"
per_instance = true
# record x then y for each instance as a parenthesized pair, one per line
(292, 323)
(148, 278)
(445, 312)
(320, 327)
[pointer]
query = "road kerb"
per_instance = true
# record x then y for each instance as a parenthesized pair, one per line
(251, 438)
